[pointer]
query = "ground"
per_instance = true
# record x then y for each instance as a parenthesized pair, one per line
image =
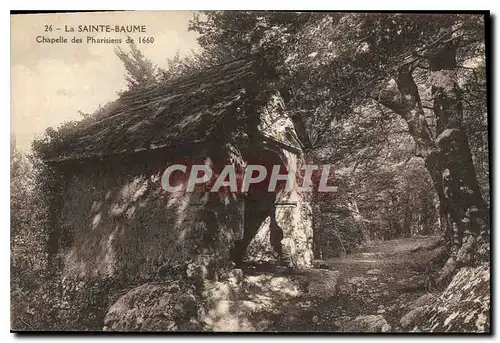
(383, 286)
(380, 278)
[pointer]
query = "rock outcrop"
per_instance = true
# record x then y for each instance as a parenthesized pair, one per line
(464, 306)
(166, 306)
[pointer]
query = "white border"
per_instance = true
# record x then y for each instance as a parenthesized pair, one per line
(196, 5)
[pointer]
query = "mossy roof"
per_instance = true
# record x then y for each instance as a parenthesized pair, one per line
(168, 114)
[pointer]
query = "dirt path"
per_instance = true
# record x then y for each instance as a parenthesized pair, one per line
(367, 291)
(381, 278)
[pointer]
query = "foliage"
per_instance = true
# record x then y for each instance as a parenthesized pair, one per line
(47, 301)
(26, 251)
(140, 71)
(334, 69)
(28, 242)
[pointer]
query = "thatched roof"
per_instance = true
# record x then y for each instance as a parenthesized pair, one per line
(182, 111)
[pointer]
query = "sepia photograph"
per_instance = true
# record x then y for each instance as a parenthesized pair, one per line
(250, 171)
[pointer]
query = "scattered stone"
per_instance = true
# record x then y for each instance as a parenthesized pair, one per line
(391, 308)
(369, 323)
(412, 318)
(357, 280)
(305, 304)
(374, 272)
(340, 321)
(320, 264)
(237, 275)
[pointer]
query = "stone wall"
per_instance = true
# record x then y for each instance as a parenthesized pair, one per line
(293, 211)
(116, 220)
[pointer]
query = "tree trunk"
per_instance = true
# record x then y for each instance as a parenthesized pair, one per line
(461, 189)
(447, 157)
(462, 195)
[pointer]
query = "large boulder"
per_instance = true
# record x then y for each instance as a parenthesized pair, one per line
(464, 306)
(418, 311)
(319, 283)
(166, 306)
